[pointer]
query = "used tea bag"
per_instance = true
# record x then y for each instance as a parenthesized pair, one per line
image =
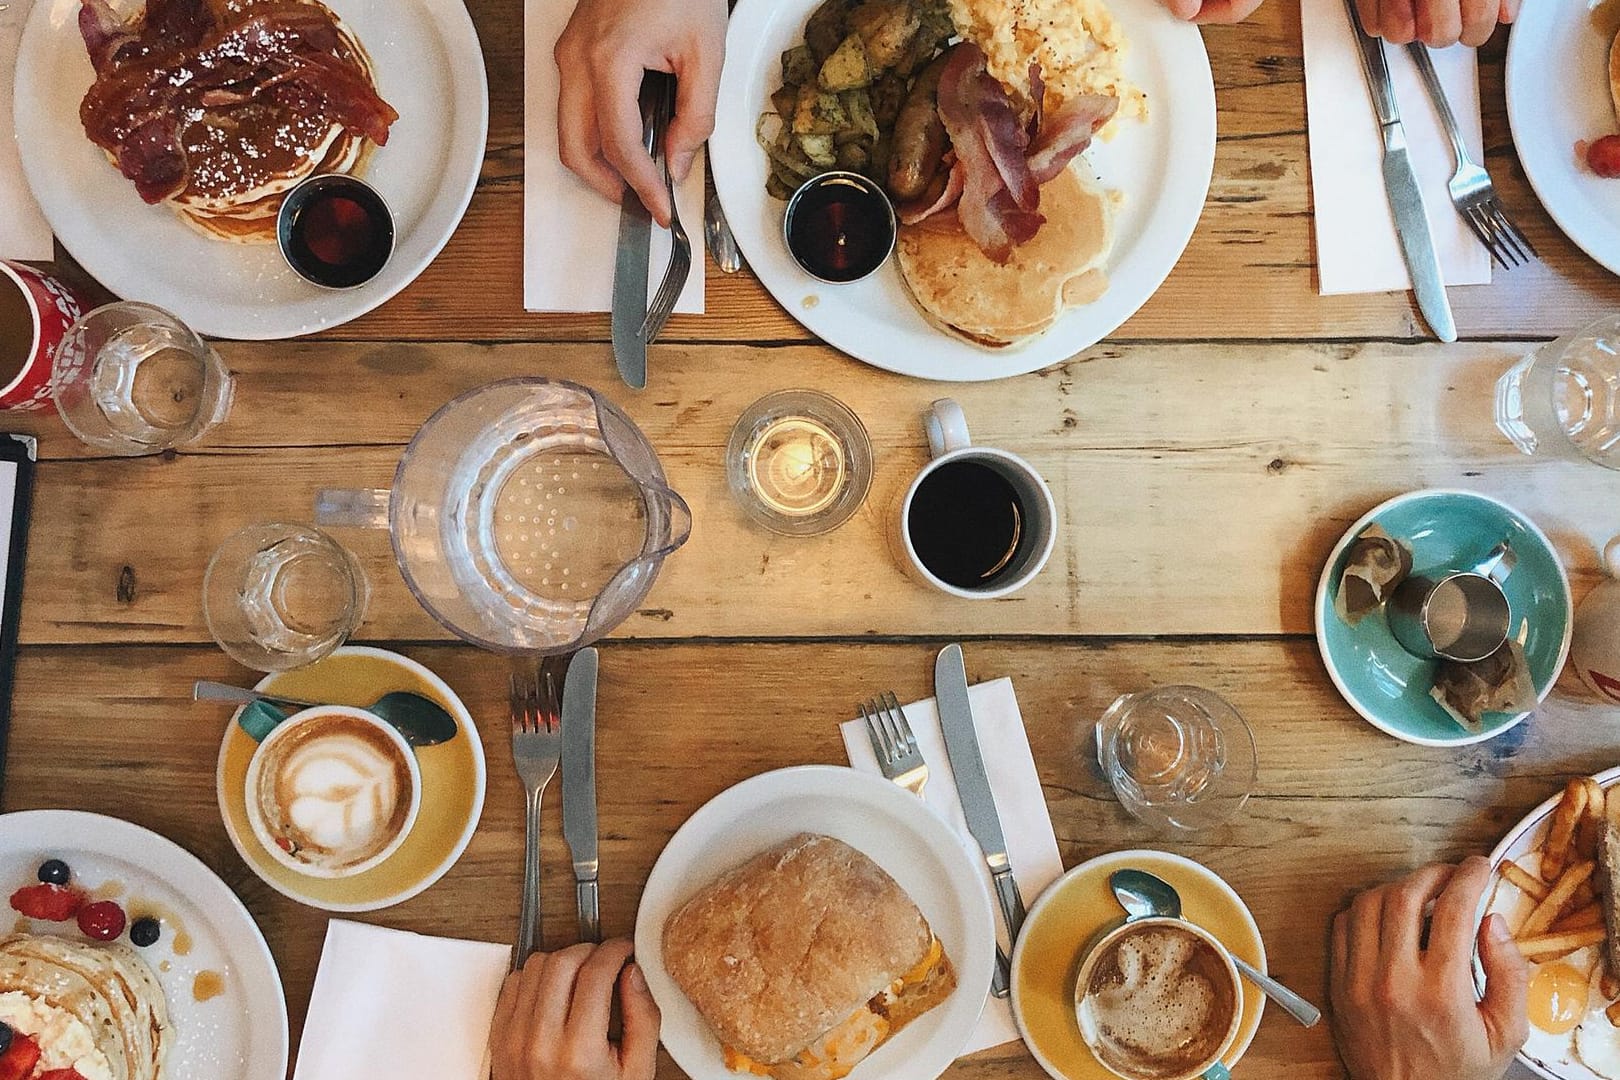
(1374, 566)
(1499, 683)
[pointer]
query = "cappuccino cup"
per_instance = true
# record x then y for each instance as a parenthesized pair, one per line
(333, 791)
(1159, 999)
(1594, 648)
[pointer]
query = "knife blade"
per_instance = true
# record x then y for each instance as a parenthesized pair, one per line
(631, 262)
(973, 789)
(579, 786)
(1401, 185)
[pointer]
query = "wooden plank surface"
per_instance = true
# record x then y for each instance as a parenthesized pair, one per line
(1200, 488)
(113, 730)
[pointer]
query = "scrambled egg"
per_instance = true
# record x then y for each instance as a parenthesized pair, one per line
(1078, 44)
(65, 1042)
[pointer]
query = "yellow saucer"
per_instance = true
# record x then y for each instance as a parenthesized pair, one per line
(1079, 905)
(452, 783)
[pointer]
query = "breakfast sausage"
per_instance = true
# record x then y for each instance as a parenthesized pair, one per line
(919, 135)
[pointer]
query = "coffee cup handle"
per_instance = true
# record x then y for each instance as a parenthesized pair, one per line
(1611, 557)
(946, 426)
(366, 509)
(1217, 1071)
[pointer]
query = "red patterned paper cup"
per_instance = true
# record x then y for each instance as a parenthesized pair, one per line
(52, 306)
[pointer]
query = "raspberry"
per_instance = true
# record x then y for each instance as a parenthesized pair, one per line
(18, 1062)
(1603, 156)
(52, 903)
(102, 921)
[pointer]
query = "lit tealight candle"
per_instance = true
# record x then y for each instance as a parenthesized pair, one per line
(796, 466)
(799, 462)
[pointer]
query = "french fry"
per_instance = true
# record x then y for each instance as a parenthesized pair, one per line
(1555, 856)
(1525, 881)
(1583, 896)
(1544, 947)
(1580, 918)
(1589, 830)
(1552, 905)
(1613, 1013)
(1609, 984)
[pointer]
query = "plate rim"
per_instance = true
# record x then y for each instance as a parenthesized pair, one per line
(481, 787)
(103, 824)
(812, 775)
(1320, 607)
(467, 69)
(1092, 864)
(990, 364)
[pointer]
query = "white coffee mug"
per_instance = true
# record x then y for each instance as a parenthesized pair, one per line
(1594, 648)
(948, 442)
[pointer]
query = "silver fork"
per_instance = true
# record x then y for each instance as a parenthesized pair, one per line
(680, 245)
(894, 744)
(1472, 192)
(536, 747)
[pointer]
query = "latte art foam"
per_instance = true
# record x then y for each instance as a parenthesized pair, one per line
(1160, 1004)
(335, 792)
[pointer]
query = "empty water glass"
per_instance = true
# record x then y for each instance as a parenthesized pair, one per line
(1178, 757)
(1563, 399)
(132, 379)
(279, 596)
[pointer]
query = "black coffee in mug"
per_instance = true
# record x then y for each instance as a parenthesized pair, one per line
(968, 524)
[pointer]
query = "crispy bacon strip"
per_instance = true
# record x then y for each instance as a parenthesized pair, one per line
(1066, 135)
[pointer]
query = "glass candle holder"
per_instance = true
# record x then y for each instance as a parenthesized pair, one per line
(799, 462)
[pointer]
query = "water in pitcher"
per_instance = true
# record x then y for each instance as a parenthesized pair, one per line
(1566, 396)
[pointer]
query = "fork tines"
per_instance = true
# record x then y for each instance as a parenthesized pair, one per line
(891, 733)
(1502, 238)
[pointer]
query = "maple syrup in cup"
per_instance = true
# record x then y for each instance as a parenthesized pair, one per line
(335, 231)
(840, 227)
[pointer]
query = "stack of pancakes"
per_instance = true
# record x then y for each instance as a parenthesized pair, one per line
(106, 991)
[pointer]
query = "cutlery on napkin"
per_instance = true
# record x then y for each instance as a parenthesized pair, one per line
(569, 231)
(24, 233)
(1031, 844)
(401, 1005)
(1356, 246)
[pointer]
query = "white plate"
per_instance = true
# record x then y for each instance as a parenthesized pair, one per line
(428, 66)
(893, 828)
(1549, 114)
(1161, 166)
(1524, 837)
(239, 1035)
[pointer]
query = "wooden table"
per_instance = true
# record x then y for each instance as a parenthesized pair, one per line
(1205, 459)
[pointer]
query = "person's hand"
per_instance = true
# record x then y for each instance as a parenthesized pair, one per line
(1406, 1011)
(551, 1022)
(1212, 11)
(602, 57)
(1436, 23)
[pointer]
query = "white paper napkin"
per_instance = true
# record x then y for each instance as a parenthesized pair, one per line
(400, 1005)
(24, 233)
(1031, 845)
(1356, 247)
(570, 233)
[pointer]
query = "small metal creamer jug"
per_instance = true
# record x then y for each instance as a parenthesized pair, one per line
(529, 516)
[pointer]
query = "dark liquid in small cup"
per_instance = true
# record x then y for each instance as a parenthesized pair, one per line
(967, 524)
(840, 231)
(16, 330)
(339, 236)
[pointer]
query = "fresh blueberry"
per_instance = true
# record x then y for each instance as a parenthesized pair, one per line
(145, 931)
(5, 1037)
(55, 872)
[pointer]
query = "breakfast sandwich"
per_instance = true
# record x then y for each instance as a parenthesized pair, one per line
(805, 959)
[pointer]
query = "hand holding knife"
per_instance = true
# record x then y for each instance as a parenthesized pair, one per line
(579, 786)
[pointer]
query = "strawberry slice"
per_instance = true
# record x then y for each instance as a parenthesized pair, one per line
(18, 1062)
(52, 903)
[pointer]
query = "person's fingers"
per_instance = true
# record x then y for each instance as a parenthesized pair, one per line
(697, 88)
(1478, 21)
(593, 989)
(578, 142)
(1402, 919)
(557, 988)
(618, 119)
(1368, 12)
(1397, 21)
(1363, 927)
(1451, 929)
(1508, 11)
(1507, 977)
(1439, 22)
(504, 1043)
(1183, 9)
(638, 1048)
(1339, 958)
(1226, 11)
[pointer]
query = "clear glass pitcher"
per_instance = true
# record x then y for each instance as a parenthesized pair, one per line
(528, 516)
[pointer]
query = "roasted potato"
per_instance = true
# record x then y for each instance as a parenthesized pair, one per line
(826, 28)
(886, 27)
(847, 68)
(854, 156)
(799, 66)
(785, 101)
(818, 113)
(858, 113)
(934, 31)
(819, 149)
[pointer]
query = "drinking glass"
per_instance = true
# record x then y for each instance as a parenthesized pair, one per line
(1177, 756)
(279, 596)
(1564, 399)
(131, 379)
(799, 462)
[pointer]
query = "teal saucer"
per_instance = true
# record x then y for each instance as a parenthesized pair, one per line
(1388, 685)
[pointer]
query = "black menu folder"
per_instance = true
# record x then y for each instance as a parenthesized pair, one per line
(17, 456)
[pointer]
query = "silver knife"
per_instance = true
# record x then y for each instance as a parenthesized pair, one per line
(1400, 182)
(579, 786)
(973, 788)
(630, 263)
